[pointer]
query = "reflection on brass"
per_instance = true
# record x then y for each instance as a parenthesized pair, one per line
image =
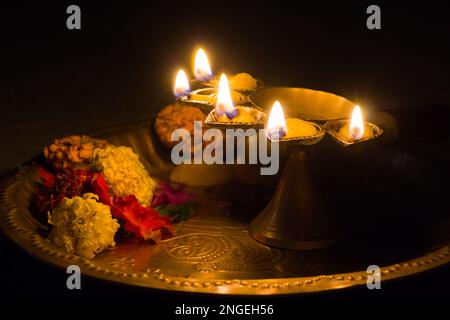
(303, 103)
(210, 253)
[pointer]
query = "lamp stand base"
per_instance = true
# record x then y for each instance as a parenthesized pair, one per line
(296, 217)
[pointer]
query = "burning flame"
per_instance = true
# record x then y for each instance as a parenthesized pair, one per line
(202, 70)
(181, 86)
(356, 128)
(224, 103)
(276, 126)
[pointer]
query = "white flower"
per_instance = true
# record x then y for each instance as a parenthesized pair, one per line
(83, 226)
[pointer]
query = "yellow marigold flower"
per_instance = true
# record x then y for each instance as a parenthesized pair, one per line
(124, 174)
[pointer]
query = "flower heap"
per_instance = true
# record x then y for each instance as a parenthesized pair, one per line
(86, 169)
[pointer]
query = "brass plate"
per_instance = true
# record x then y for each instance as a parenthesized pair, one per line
(213, 252)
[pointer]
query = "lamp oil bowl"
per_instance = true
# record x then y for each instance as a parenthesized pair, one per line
(227, 115)
(295, 141)
(245, 118)
(355, 130)
(337, 128)
(205, 98)
(240, 82)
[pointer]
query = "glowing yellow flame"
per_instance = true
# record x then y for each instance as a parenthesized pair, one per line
(202, 70)
(224, 103)
(181, 86)
(276, 126)
(356, 128)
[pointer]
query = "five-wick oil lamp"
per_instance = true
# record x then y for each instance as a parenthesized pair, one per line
(296, 217)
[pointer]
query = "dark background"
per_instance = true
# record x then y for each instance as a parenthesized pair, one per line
(121, 64)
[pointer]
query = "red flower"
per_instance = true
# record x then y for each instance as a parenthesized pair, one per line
(71, 183)
(53, 187)
(142, 221)
(47, 178)
(99, 187)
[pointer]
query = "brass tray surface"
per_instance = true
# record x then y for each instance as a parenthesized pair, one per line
(212, 252)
